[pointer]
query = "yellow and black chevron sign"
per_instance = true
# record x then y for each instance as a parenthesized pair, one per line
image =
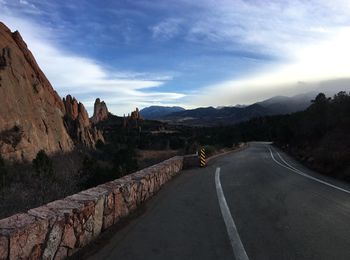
(202, 157)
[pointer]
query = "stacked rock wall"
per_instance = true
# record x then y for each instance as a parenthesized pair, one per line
(60, 228)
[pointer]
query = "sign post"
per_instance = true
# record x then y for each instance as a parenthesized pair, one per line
(202, 161)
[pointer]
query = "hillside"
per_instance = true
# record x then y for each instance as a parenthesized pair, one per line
(228, 115)
(210, 116)
(286, 105)
(158, 112)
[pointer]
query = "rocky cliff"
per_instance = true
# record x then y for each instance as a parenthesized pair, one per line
(134, 120)
(100, 111)
(31, 112)
(78, 124)
(32, 115)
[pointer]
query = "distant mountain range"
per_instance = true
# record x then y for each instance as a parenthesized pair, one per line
(158, 112)
(225, 115)
(210, 116)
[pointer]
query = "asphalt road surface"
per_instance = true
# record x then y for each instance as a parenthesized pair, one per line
(254, 204)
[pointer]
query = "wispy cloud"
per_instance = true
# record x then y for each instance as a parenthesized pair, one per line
(167, 29)
(311, 66)
(275, 27)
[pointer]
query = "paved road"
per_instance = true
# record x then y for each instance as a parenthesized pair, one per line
(275, 210)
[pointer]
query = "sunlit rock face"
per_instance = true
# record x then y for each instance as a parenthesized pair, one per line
(32, 115)
(31, 112)
(100, 112)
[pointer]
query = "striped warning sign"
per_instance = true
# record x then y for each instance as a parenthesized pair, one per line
(202, 157)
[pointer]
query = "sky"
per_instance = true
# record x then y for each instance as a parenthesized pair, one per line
(138, 53)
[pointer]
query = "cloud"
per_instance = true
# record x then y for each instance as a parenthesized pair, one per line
(312, 65)
(88, 79)
(26, 7)
(270, 27)
(166, 29)
(308, 41)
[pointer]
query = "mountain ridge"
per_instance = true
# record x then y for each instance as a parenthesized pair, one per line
(225, 115)
(155, 112)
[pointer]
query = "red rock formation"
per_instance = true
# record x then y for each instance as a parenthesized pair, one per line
(32, 115)
(136, 115)
(78, 123)
(31, 112)
(134, 120)
(100, 111)
(71, 107)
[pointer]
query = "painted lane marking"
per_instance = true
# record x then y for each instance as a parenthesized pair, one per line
(304, 174)
(236, 243)
(290, 166)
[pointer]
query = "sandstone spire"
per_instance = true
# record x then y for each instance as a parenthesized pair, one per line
(78, 124)
(100, 111)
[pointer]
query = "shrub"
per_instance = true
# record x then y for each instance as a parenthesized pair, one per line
(3, 173)
(44, 180)
(209, 150)
(42, 165)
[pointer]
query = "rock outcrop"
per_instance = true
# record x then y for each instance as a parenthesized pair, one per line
(32, 115)
(78, 124)
(100, 112)
(134, 120)
(31, 112)
(135, 115)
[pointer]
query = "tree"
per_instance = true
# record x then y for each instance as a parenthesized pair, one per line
(90, 173)
(320, 99)
(42, 165)
(124, 161)
(3, 172)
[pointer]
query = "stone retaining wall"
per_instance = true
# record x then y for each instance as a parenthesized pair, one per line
(60, 228)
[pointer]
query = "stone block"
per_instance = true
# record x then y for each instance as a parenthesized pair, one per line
(121, 209)
(62, 253)
(68, 237)
(53, 241)
(26, 234)
(98, 217)
(4, 244)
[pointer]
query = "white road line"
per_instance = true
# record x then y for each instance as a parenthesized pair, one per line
(236, 243)
(290, 166)
(304, 174)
